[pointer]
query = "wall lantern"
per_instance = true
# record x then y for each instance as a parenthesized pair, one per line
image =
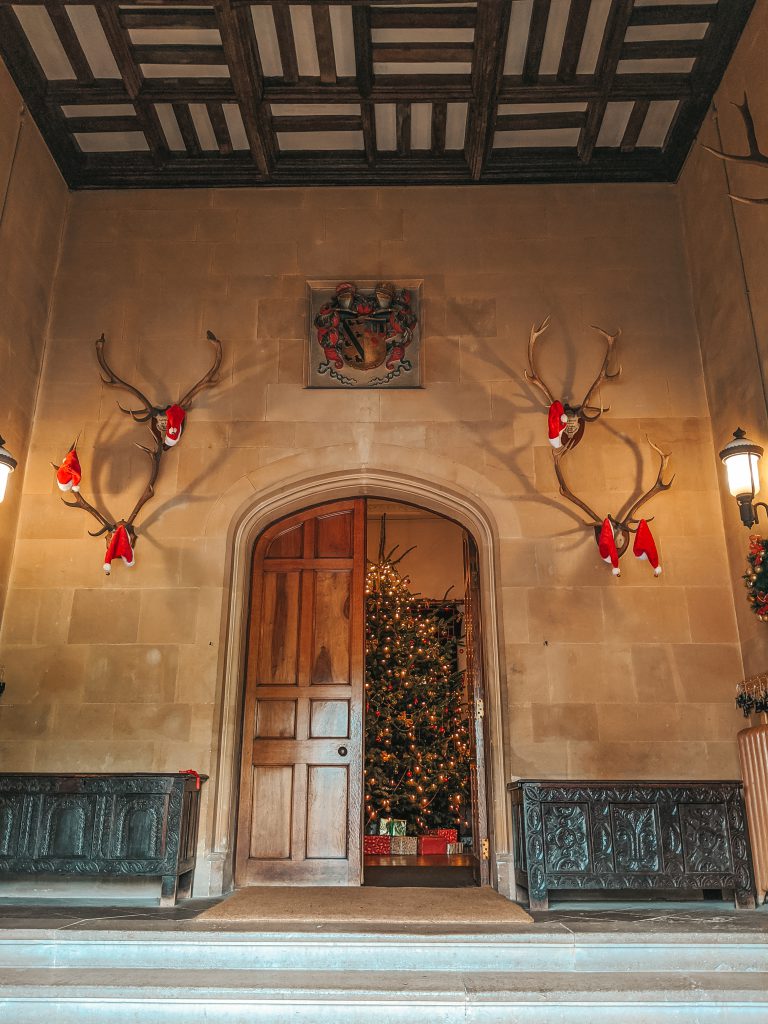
(7, 466)
(741, 458)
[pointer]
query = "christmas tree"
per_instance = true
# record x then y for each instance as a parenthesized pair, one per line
(417, 749)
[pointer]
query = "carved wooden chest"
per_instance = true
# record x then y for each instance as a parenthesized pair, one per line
(642, 836)
(118, 826)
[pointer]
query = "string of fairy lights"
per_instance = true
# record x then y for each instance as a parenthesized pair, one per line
(418, 748)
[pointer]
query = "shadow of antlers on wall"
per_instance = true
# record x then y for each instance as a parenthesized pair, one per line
(165, 424)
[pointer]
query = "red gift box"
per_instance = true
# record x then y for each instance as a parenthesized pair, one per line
(432, 844)
(377, 844)
(451, 835)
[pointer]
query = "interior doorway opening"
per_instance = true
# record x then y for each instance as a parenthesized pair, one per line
(302, 814)
(420, 747)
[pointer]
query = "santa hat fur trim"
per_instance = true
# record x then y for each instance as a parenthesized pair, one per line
(607, 545)
(556, 420)
(645, 547)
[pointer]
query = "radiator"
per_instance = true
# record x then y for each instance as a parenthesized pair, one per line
(753, 753)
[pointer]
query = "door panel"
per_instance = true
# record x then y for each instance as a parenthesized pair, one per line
(474, 660)
(300, 814)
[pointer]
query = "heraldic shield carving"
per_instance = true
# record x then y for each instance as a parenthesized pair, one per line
(364, 335)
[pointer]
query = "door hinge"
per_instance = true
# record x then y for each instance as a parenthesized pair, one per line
(485, 849)
(479, 708)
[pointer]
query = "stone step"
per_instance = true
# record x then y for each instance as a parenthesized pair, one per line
(135, 996)
(528, 950)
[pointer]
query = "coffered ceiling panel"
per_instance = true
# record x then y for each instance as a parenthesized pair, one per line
(237, 92)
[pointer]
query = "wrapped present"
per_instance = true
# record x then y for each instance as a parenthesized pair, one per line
(405, 845)
(377, 844)
(454, 848)
(391, 827)
(431, 844)
(451, 835)
(467, 842)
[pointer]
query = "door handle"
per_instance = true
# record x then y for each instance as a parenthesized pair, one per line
(343, 751)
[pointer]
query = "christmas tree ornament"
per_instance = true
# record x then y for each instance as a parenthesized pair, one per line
(69, 474)
(645, 546)
(118, 546)
(606, 542)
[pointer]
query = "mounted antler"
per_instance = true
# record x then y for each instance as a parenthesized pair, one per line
(156, 415)
(754, 158)
(626, 522)
(566, 418)
(165, 427)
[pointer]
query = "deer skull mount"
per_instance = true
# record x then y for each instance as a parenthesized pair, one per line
(161, 421)
(572, 418)
(626, 523)
(754, 158)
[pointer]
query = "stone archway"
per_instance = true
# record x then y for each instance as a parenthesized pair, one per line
(267, 495)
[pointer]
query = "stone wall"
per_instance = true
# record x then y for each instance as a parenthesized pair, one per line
(726, 245)
(33, 200)
(600, 677)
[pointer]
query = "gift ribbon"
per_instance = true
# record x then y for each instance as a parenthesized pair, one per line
(191, 771)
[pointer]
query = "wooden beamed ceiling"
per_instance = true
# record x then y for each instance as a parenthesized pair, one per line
(248, 92)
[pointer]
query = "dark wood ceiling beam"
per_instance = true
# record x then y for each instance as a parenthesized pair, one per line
(133, 80)
(445, 17)
(286, 42)
(220, 128)
(29, 78)
(319, 123)
(176, 53)
(661, 49)
(540, 122)
(439, 121)
(361, 28)
(634, 126)
(168, 19)
(70, 42)
(125, 123)
(574, 39)
(674, 14)
(403, 129)
(368, 120)
(187, 129)
(326, 56)
(487, 70)
(535, 45)
(610, 53)
(238, 41)
(421, 53)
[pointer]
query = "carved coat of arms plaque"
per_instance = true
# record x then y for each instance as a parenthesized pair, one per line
(364, 334)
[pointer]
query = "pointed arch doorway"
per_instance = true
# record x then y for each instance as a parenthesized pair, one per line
(300, 811)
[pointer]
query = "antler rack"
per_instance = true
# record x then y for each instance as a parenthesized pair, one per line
(584, 412)
(151, 414)
(626, 521)
(755, 157)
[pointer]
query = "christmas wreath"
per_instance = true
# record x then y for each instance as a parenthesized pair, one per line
(756, 577)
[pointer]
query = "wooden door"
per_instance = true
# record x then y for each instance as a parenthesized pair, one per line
(474, 661)
(300, 813)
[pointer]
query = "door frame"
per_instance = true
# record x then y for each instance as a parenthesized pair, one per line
(259, 512)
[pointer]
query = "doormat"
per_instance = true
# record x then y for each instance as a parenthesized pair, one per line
(403, 907)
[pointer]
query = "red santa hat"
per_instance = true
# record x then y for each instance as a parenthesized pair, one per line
(119, 546)
(174, 424)
(69, 474)
(607, 545)
(645, 547)
(557, 421)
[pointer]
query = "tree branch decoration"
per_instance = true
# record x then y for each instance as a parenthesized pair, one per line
(566, 425)
(567, 420)
(165, 424)
(754, 158)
